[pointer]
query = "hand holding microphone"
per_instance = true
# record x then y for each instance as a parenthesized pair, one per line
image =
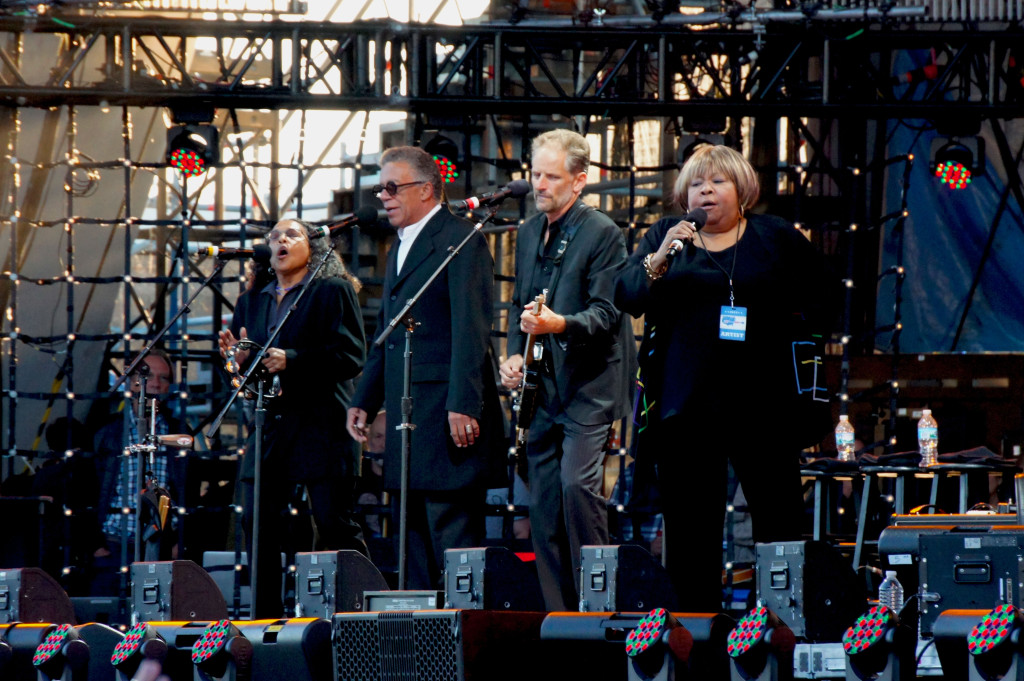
(697, 217)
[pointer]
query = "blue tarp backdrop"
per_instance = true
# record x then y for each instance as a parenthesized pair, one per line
(943, 249)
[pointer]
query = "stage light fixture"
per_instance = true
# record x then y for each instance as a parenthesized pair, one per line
(446, 155)
(761, 647)
(141, 642)
(221, 653)
(62, 655)
(955, 161)
(877, 647)
(656, 645)
(994, 645)
(192, 148)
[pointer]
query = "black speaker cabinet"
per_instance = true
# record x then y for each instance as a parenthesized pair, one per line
(327, 582)
(970, 569)
(437, 645)
(623, 578)
(811, 587)
(490, 578)
(177, 590)
(31, 595)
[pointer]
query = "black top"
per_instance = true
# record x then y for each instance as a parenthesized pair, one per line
(781, 281)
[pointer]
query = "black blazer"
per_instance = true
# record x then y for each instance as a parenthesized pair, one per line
(325, 346)
(452, 369)
(594, 359)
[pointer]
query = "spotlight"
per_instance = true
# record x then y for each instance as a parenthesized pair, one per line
(446, 156)
(141, 642)
(62, 655)
(222, 653)
(662, 646)
(877, 647)
(192, 148)
(761, 647)
(956, 160)
(994, 645)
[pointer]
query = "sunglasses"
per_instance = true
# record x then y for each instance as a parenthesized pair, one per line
(392, 188)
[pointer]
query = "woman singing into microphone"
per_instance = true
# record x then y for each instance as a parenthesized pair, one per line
(320, 349)
(717, 365)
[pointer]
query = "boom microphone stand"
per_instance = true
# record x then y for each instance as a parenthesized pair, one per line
(405, 319)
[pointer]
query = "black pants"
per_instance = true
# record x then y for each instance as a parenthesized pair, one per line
(437, 521)
(332, 507)
(692, 453)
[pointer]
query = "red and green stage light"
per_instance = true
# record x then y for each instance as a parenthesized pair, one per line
(139, 643)
(868, 630)
(220, 651)
(192, 148)
(761, 646)
(51, 645)
(993, 630)
(748, 632)
(878, 648)
(648, 631)
(60, 653)
(955, 161)
(446, 155)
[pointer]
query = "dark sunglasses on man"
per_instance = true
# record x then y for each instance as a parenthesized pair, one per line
(392, 188)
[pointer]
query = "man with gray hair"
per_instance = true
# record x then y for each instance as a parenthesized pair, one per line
(458, 445)
(587, 365)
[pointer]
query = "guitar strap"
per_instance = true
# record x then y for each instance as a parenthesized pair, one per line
(573, 220)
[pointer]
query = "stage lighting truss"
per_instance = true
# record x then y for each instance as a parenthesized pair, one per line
(192, 148)
(61, 653)
(139, 643)
(956, 161)
(761, 646)
(221, 651)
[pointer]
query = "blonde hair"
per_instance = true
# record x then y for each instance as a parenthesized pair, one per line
(575, 146)
(712, 159)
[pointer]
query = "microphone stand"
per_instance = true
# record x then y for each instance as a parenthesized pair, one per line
(259, 418)
(405, 319)
(160, 334)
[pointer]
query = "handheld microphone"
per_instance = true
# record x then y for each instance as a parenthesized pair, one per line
(698, 217)
(515, 188)
(261, 252)
(367, 215)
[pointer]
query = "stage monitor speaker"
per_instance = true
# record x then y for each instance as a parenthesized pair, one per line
(811, 587)
(490, 578)
(438, 645)
(327, 582)
(623, 578)
(593, 645)
(967, 569)
(31, 595)
(295, 649)
(177, 590)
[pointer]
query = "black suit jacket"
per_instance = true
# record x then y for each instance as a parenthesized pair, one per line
(452, 369)
(325, 346)
(594, 359)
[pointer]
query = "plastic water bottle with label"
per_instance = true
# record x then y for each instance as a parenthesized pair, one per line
(890, 592)
(844, 438)
(928, 438)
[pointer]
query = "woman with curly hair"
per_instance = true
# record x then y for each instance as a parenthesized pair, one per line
(319, 351)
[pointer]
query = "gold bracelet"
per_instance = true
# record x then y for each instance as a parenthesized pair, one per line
(652, 273)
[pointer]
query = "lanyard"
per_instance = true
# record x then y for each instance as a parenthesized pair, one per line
(732, 270)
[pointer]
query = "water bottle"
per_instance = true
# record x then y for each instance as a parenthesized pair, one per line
(928, 438)
(844, 438)
(890, 592)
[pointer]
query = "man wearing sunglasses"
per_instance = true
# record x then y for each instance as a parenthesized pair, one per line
(458, 441)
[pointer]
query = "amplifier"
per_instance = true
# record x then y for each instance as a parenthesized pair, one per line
(623, 578)
(384, 601)
(490, 578)
(440, 645)
(970, 570)
(811, 587)
(327, 582)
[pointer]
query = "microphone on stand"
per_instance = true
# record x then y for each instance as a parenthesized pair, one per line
(515, 188)
(698, 217)
(260, 252)
(367, 215)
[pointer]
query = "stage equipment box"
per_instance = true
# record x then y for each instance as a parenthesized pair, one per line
(176, 590)
(811, 587)
(440, 645)
(388, 601)
(490, 578)
(623, 578)
(327, 582)
(973, 569)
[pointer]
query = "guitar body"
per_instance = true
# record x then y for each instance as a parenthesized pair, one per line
(525, 404)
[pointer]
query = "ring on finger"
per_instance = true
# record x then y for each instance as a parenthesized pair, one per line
(469, 428)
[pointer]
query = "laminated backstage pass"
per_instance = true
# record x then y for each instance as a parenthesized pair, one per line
(732, 325)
